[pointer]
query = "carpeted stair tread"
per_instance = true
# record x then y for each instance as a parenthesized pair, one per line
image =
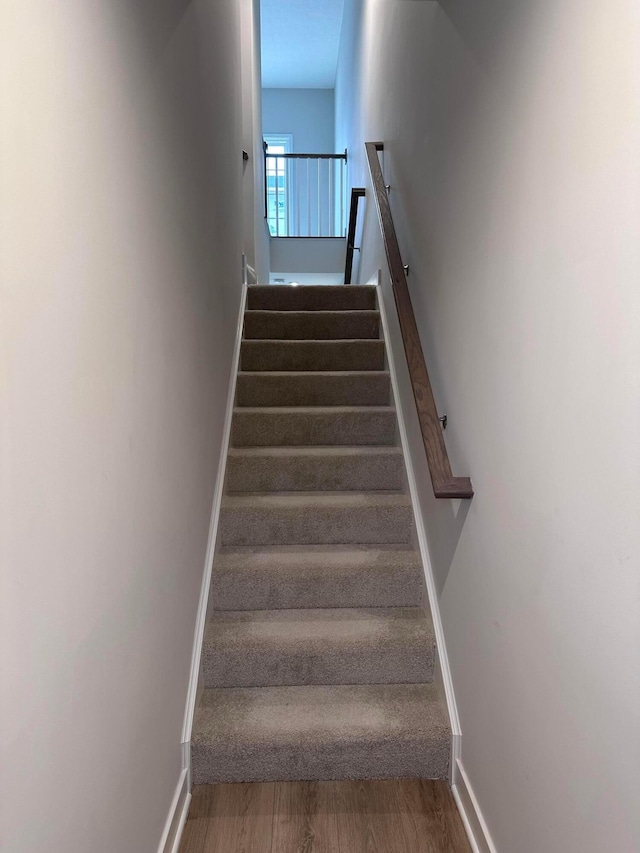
(320, 732)
(288, 469)
(313, 388)
(266, 648)
(316, 518)
(312, 355)
(311, 325)
(259, 578)
(311, 297)
(313, 426)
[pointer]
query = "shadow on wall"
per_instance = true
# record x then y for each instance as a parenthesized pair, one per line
(156, 22)
(161, 31)
(486, 29)
(446, 522)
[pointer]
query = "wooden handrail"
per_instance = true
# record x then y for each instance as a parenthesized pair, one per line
(356, 194)
(445, 485)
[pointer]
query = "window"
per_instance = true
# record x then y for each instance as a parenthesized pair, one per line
(277, 182)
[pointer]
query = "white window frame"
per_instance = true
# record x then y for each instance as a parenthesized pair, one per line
(279, 221)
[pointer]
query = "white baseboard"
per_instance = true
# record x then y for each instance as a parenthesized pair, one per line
(447, 681)
(177, 817)
(472, 818)
(194, 678)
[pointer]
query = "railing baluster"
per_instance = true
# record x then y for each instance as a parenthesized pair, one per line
(277, 203)
(308, 199)
(297, 198)
(319, 203)
(331, 202)
(287, 196)
(342, 168)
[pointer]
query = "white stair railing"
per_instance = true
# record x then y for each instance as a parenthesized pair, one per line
(305, 194)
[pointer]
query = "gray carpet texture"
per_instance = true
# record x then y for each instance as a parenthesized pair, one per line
(308, 469)
(313, 388)
(312, 355)
(320, 732)
(319, 651)
(318, 518)
(356, 297)
(311, 325)
(261, 578)
(313, 426)
(268, 648)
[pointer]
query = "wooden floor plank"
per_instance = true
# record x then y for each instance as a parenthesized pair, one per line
(238, 818)
(429, 817)
(194, 837)
(368, 819)
(402, 816)
(304, 818)
(387, 816)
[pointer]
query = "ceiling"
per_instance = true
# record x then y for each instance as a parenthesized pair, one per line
(300, 41)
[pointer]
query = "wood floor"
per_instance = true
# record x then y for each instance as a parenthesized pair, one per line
(389, 816)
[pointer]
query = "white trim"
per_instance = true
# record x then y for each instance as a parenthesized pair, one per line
(177, 817)
(456, 733)
(211, 544)
(472, 818)
(250, 273)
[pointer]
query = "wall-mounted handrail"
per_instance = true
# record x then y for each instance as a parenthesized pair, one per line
(445, 485)
(356, 194)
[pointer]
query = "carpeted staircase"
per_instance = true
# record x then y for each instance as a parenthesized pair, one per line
(318, 656)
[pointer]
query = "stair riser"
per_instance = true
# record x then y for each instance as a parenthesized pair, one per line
(269, 667)
(312, 355)
(308, 474)
(313, 389)
(325, 525)
(276, 590)
(387, 758)
(311, 326)
(296, 429)
(322, 298)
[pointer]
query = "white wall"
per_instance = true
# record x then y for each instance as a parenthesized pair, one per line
(512, 133)
(309, 255)
(306, 113)
(120, 269)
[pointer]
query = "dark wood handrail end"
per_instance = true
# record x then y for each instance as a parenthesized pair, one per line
(456, 487)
